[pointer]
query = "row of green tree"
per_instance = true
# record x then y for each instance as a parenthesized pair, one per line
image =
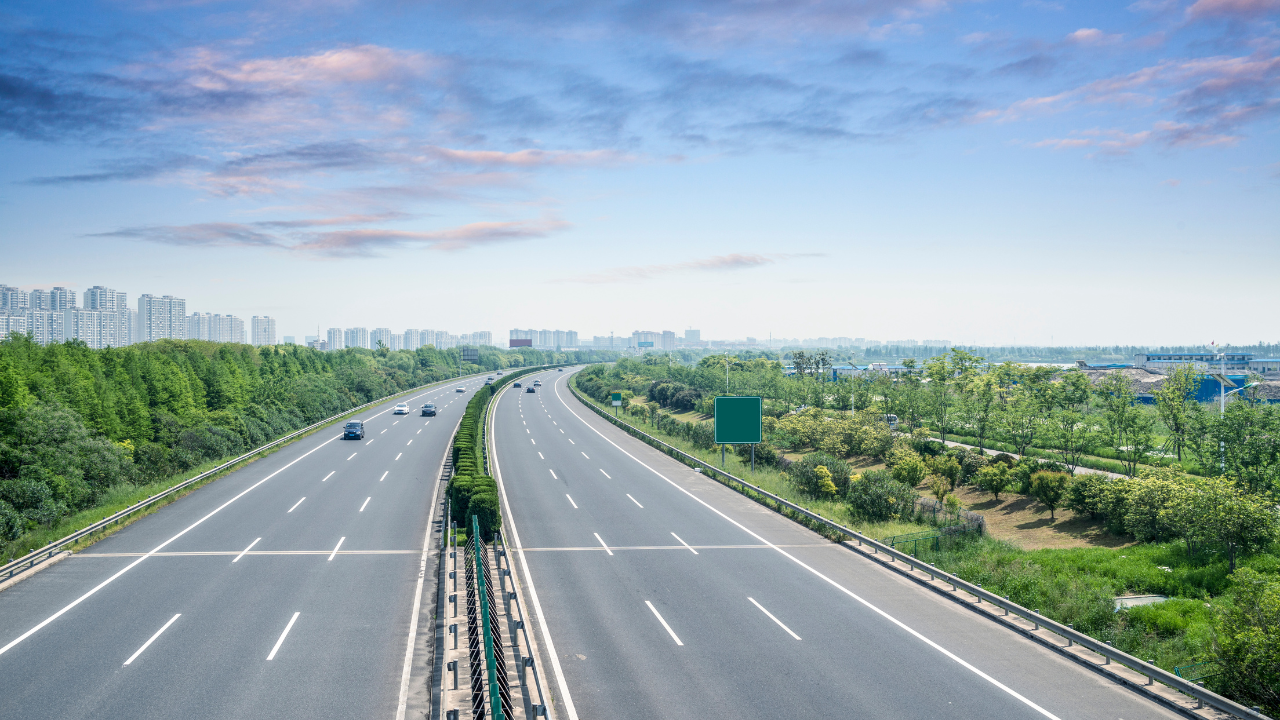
(75, 422)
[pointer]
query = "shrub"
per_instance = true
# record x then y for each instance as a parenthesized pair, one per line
(1247, 642)
(910, 472)
(875, 496)
(806, 478)
(945, 467)
(483, 505)
(1005, 458)
(1049, 487)
(766, 454)
(939, 487)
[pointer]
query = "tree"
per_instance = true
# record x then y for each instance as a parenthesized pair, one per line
(1049, 488)
(1071, 433)
(994, 478)
(1248, 434)
(939, 487)
(1130, 430)
(1177, 406)
(1246, 642)
(1217, 511)
(981, 404)
(941, 382)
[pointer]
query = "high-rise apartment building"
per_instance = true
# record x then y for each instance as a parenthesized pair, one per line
(335, 339)
(692, 337)
(412, 339)
(58, 299)
(264, 330)
(609, 342)
(646, 339)
(356, 337)
(12, 323)
(380, 335)
(13, 300)
(290, 340)
(160, 318)
(668, 340)
(45, 326)
(215, 328)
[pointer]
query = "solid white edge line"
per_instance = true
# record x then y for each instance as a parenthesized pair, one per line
(403, 705)
(533, 592)
(326, 477)
(284, 634)
(606, 547)
(571, 502)
(664, 622)
(682, 542)
(637, 502)
(242, 552)
(384, 476)
(366, 502)
(335, 547)
(771, 617)
(147, 644)
(157, 549)
(829, 581)
(295, 505)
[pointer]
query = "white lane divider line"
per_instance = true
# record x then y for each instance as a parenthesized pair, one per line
(637, 502)
(771, 617)
(410, 442)
(398, 455)
(426, 423)
(571, 442)
(605, 473)
(419, 432)
(155, 550)
(585, 455)
(670, 632)
(540, 457)
(528, 431)
(366, 502)
(383, 430)
(283, 635)
(147, 644)
(535, 442)
(606, 547)
(571, 502)
(242, 552)
(326, 477)
(370, 440)
(398, 422)
(561, 431)
(352, 455)
(856, 597)
(335, 550)
(295, 505)
(553, 422)
(553, 473)
(682, 542)
(384, 476)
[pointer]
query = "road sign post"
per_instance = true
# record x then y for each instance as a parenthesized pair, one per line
(738, 421)
(617, 402)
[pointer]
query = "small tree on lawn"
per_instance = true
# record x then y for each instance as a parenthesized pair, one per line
(1049, 488)
(994, 479)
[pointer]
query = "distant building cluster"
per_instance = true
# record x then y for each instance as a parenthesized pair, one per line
(106, 320)
(544, 339)
(411, 339)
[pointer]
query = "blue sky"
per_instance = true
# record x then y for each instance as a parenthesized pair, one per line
(985, 172)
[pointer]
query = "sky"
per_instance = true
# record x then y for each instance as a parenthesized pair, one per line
(1000, 172)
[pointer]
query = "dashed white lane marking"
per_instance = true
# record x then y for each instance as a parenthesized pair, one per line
(295, 505)
(553, 473)
(605, 473)
(383, 430)
(366, 502)
(771, 617)
(409, 443)
(147, 644)
(637, 502)
(396, 422)
(335, 547)
(242, 552)
(419, 432)
(535, 442)
(585, 455)
(682, 542)
(352, 455)
(326, 477)
(562, 431)
(571, 502)
(528, 431)
(369, 442)
(283, 635)
(398, 455)
(664, 622)
(571, 442)
(384, 476)
(540, 457)
(606, 547)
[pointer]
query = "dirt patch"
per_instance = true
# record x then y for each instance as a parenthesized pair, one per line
(1025, 522)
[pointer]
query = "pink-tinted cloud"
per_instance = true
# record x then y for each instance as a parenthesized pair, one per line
(1093, 36)
(1118, 142)
(716, 263)
(528, 158)
(1233, 9)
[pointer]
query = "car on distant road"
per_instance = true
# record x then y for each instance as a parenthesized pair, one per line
(559, 369)
(460, 389)
(353, 430)
(530, 389)
(537, 383)
(488, 381)
(516, 384)
(401, 409)
(429, 410)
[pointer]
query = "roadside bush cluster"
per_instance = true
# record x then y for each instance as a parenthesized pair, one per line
(675, 395)
(475, 495)
(876, 496)
(819, 475)
(865, 433)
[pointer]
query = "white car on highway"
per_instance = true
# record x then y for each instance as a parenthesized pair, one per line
(401, 409)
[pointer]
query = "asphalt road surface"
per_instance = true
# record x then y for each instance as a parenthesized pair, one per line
(667, 595)
(282, 590)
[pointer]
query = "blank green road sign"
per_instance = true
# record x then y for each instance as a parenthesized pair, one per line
(617, 399)
(738, 420)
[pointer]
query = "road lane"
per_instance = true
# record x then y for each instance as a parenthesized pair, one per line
(734, 661)
(275, 556)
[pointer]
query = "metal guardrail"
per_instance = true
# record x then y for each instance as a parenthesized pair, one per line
(482, 616)
(34, 558)
(540, 707)
(1154, 673)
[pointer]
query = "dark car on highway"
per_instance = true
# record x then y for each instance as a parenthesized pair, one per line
(530, 389)
(353, 430)
(429, 410)
(516, 384)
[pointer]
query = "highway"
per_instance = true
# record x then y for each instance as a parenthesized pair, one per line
(282, 590)
(668, 595)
